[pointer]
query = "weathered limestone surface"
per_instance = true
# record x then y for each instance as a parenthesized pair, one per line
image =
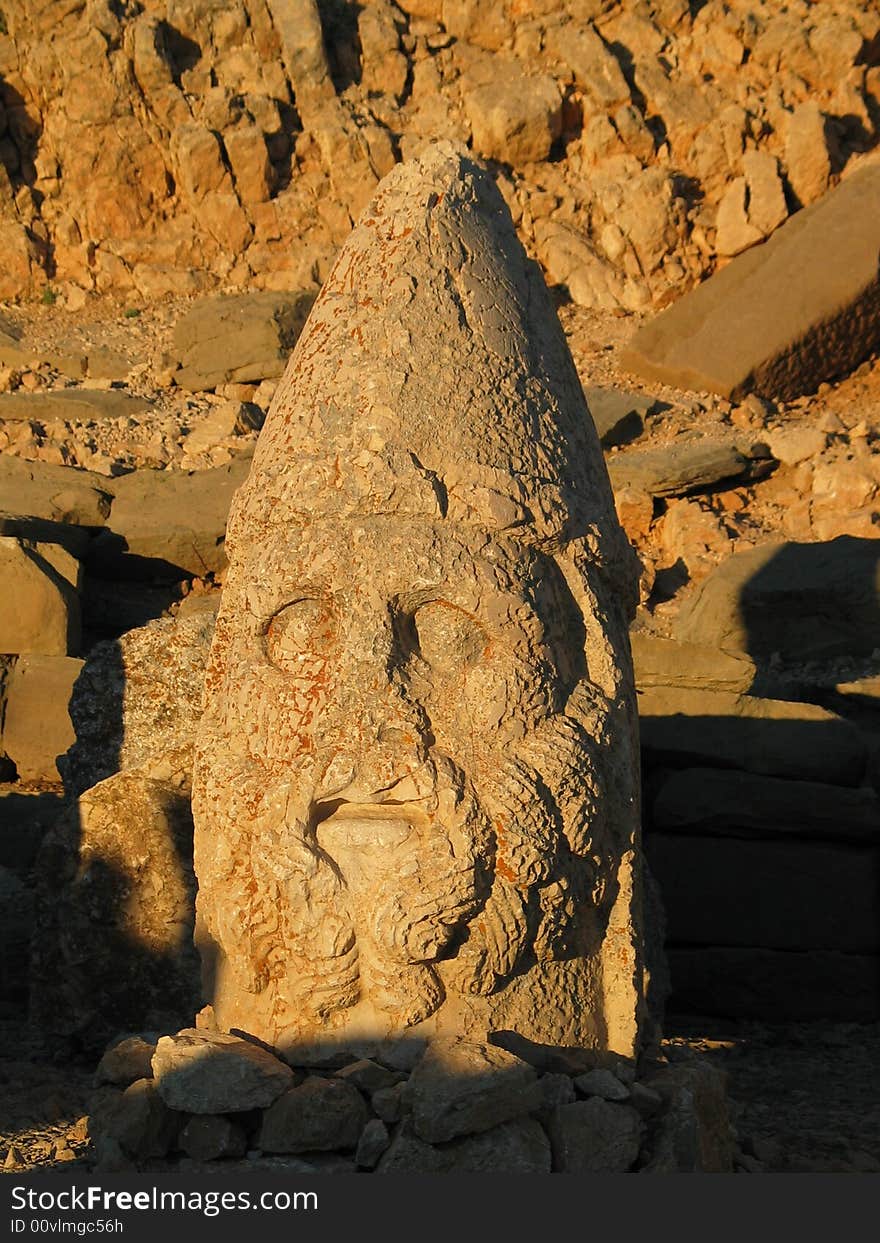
(138, 698)
(416, 789)
(801, 308)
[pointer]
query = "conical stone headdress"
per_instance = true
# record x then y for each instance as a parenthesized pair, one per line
(432, 379)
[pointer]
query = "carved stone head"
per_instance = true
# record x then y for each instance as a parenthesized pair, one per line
(416, 789)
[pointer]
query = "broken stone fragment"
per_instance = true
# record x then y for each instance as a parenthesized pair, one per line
(37, 727)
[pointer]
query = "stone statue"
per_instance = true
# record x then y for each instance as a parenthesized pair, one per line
(416, 783)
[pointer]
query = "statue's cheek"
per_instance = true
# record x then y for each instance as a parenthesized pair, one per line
(279, 711)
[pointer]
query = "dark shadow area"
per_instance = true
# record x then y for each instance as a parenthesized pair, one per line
(179, 51)
(18, 145)
(763, 832)
(339, 22)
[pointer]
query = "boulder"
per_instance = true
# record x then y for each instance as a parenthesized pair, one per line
(115, 893)
(773, 737)
(137, 698)
(57, 494)
(168, 524)
(238, 339)
(769, 894)
(784, 316)
(694, 1134)
(460, 1087)
(718, 802)
(517, 1147)
(137, 1119)
(320, 1115)
(210, 1137)
(125, 1061)
(595, 1137)
(202, 1072)
(824, 598)
(40, 611)
(37, 729)
(516, 117)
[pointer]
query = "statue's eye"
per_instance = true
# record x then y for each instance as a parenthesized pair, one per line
(298, 632)
(448, 637)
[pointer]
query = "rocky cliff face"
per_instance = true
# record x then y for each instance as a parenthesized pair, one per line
(170, 146)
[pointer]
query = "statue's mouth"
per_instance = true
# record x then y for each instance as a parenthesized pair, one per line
(341, 823)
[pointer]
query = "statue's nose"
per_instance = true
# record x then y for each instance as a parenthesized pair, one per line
(370, 742)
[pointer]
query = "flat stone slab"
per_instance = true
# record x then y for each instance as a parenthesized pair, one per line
(62, 494)
(772, 737)
(240, 338)
(784, 895)
(719, 802)
(697, 666)
(72, 404)
(801, 308)
(805, 601)
(678, 468)
(171, 522)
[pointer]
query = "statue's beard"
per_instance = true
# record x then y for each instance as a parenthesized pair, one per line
(402, 904)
